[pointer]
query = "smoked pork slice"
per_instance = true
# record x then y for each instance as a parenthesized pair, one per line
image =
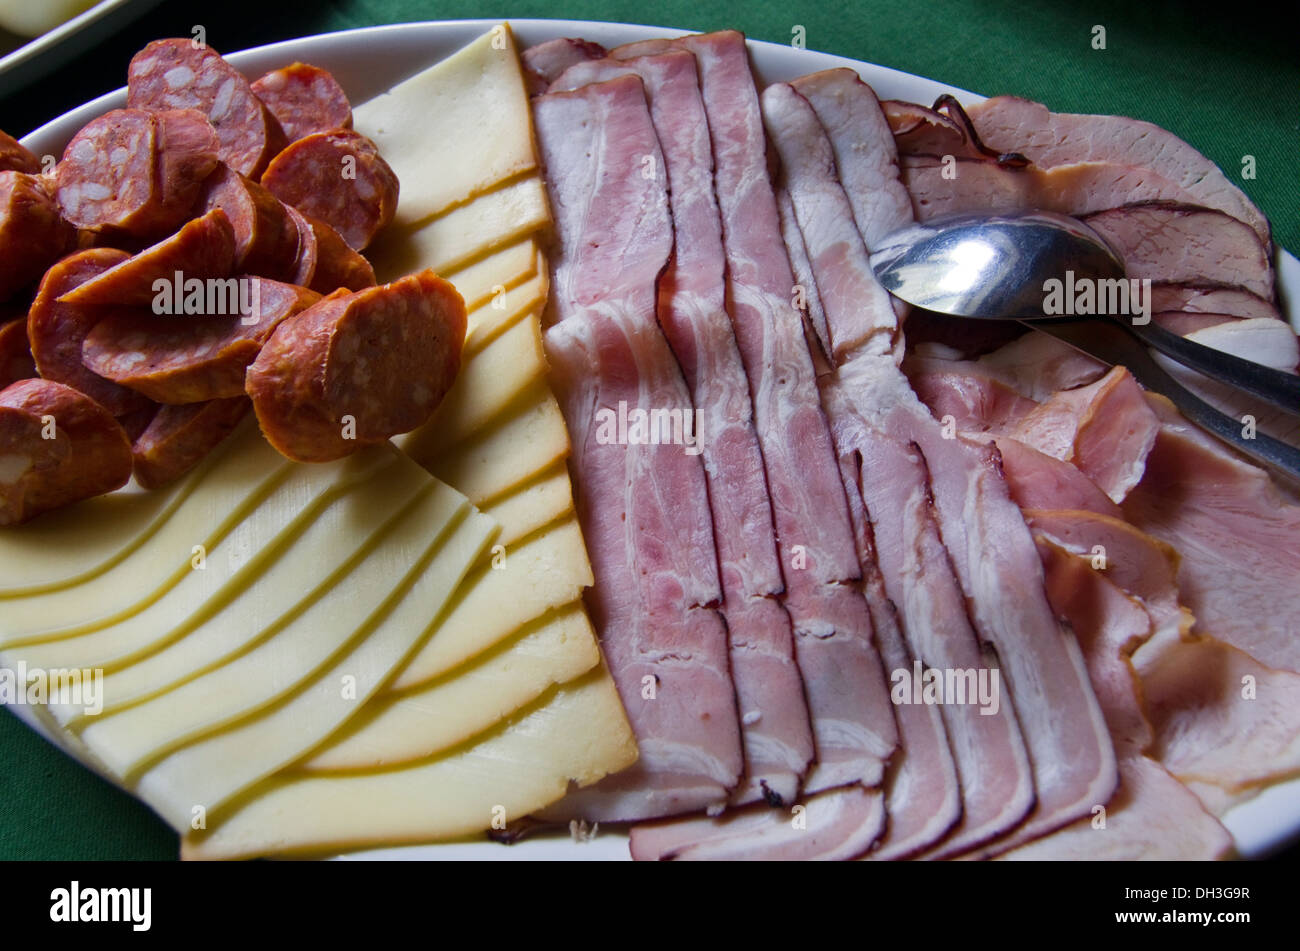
(643, 507)
(1207, 298)
(774, 717)
(545, 62)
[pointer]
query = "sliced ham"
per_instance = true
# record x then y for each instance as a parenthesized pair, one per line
(1206, 298)
(643, 507)
(854, 732)
(774, 717)
(545, 62)
(1051, 139)
(1177, 242)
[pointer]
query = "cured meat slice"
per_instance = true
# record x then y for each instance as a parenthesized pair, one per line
(193, 359)
(356, 369)
(16, 157)
(333, 265)
(182, 74)
(16, 361)
(266, 236)
(1175, 242)
(340, 178)
(643, 505)
(545, 62)
(32, 235)
(304, 99)
(179, 437)
(135, 172)
(1206, 298)
(1050, 139)
(202, 249)
(920, 131)
(57, 447)
(774, 718)
(56, 330)
(809, 508)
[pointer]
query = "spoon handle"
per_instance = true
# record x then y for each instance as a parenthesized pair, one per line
(1107, 342)
(1272, 386)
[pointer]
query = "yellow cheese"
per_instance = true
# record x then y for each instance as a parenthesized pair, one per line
(463, 234)
(228, 566)
(488, 385)
(456, 129)
(221, 766)
(540, 573)
(248, 471)
(510, 453)
(352, 523)
(500, 314)
(500, 271)
(578, 733)
(399, 728)
(539, 502)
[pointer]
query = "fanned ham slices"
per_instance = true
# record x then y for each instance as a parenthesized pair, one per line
(794, 610)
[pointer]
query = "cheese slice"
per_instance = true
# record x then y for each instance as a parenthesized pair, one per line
(576, 734)
(541, 501)
(211, 772)
(248, 471)
(491, 276)
(403, 727)
(498, 315)
(538, 574)
(488, 385)
(463, 234)
(456, 129)
(326, 554)
(265, 528)
(510, 453)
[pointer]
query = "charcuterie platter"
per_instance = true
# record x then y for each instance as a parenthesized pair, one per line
(407, 562)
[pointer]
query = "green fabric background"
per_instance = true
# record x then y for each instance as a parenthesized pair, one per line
(1225, 78)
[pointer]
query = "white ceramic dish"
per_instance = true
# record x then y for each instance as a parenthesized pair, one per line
(45, 53)
(369, 61)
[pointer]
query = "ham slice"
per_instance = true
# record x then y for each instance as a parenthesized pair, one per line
(1178, 242)
(774, 717)
(643, 507)
(853, 726)
(544, 62)
(1206, 298)
(1051, 139)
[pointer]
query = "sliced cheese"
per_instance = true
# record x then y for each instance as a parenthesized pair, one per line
(492, 276)
(353, 522)
(501, 458)
(488, 385)
(545, 499)
(456, 129)
(403, 727)
(487, 323)
(210, 772)
(535, 576)
(265, 528)
(486, 224)
(248, 471)
(578, 734)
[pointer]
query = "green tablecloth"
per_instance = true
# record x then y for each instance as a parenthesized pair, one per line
(1228, 82)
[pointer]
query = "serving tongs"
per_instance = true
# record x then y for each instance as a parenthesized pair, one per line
(1001, 267)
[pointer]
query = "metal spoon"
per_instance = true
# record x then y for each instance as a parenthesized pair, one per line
(998, 267)
(1001, 267)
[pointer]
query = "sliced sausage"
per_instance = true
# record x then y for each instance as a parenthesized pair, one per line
(16, 361)
(356, 369)
(191, 359)
(304, 268)
(136, 422)
(57, 446)
(204, 248)
(32, 235)
(304, 99)
(135, 172)
(336, 264)
(178, 74)
(16, 157)
(179, 437)
(266, 236)
(56, 330)
(340, 178)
